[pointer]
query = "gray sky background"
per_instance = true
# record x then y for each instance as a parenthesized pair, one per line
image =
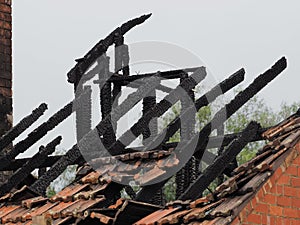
(226, 35)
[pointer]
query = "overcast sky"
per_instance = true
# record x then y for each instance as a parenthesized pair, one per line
(226, 35)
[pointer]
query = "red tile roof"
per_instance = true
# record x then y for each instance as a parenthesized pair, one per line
(83, 200)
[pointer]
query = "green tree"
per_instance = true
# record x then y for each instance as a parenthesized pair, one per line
(257, 110)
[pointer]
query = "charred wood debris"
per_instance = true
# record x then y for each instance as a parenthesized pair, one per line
(190, 180)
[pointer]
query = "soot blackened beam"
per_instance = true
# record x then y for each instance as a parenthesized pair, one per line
(17, 163)
(75, 74)
(38, 133)
(44, 181)
(29, 166)
(229, 109)
(214, 170)
(170, 74)
(83, 110)
(220, 141)
(204, 100)
(106, 102)
(18, 129)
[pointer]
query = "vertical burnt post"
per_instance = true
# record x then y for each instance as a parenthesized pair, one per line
(152, 130)
(83, 110)
(5, 75)
(189, 172)
(120, 64)
(148, 103)
(106, 99)
(220, 132)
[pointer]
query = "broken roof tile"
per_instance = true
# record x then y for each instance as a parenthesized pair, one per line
(67, 193)
(154, 217)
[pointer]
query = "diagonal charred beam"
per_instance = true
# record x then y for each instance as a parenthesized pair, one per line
(44, 181)
(214, 170)
(17, 163)
(38, 133)
(204, 100)
(229, 109)
(29, 166)
(75, 74)
(26, 122)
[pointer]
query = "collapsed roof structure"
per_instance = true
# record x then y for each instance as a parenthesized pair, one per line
(94, 199)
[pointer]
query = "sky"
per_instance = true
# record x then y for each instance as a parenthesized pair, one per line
(49, 35)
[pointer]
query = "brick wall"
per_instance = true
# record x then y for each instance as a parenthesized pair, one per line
(5, 70)
(278, 201)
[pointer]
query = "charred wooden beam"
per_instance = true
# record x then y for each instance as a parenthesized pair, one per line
(156, 111)
(148, 103)
(26, 122)
(106, 102)
(17, 163)
(229, 109)
(44, 181)
(171, 74)
(83, 110)
(185, 175)
(204, 100)
(159, 87)
(29, 166)
(75, 74)
(38, 133)
(150, 132)
(116, 91)
(214, 170)
(219, 141)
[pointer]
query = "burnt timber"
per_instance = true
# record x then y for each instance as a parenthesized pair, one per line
(191, 181)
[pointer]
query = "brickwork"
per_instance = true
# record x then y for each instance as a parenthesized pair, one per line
(5, 71)
(278, 201)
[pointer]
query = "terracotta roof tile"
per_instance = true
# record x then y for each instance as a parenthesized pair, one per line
(102, 218)
(156, 216)
(14, 216)
(29, 203)
(67, 193)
